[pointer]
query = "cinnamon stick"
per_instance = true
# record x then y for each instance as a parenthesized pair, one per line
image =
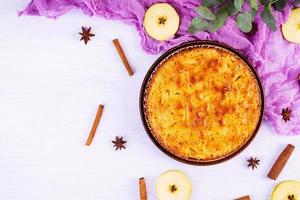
(244, 198)
(123, 56)
(143, 191)
(281, 161)
(95, 125)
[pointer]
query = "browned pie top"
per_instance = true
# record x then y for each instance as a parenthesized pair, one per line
(203, 103)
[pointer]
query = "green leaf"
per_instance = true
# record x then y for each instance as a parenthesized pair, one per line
(238, 4)
(253, 4)
(198, 24)
(264, 2)
(192, 29)
(268, 17)
(205, 13)
(211, 3)
(280, 4)
(244, 21)
(253, 13)
(231, 8)
(221, 17)
(272, 2)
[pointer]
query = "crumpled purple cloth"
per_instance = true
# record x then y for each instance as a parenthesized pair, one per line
(276, 60)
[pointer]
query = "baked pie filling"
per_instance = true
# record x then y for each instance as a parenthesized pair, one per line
(203, 103)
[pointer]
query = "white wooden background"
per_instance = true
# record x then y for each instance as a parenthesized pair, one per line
(50, 87)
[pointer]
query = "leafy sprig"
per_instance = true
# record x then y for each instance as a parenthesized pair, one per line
(212, 14)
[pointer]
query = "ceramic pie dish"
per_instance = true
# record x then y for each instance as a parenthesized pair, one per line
(201, 102)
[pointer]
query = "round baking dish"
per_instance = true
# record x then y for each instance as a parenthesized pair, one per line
(153, 69)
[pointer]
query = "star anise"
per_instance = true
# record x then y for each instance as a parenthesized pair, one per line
(286, 114)
(119, 143)
(253, 162)
(86, 34)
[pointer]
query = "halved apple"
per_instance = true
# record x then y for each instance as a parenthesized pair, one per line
(161, 21)
(173, 185)
(286, 190)
(291, 29)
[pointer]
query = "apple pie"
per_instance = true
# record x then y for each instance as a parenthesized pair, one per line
(203, 103)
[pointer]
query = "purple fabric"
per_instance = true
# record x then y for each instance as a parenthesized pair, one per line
(275, 59)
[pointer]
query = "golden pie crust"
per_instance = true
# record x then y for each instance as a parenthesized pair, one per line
(203, 103)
